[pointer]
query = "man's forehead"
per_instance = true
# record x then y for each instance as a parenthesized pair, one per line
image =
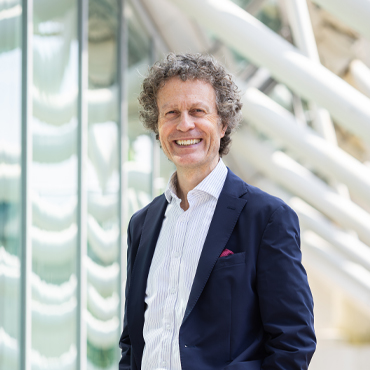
(176, 80)
(192, 91)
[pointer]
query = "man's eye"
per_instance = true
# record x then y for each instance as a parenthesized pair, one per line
(198, 110)
(171, 112)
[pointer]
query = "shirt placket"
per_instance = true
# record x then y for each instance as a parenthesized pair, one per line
(169, 318)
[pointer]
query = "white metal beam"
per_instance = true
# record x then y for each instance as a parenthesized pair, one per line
(300, 181)
(302, 32)
(311, 219)
(301, 27)
(351, 247)
(178, 32)
(360, 74)
(349, 277)
(258, 43)
(275, 121)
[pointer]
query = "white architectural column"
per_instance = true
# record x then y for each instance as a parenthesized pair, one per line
(81, 340)
(26, 160)
(123, 151)
(302, 32)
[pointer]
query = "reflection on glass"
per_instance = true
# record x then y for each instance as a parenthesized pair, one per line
(103, 321)
(164, 167)
(140, 155)
(54, 184)
(10, 172)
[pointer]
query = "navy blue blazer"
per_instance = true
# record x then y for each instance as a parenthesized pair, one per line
(247, 311)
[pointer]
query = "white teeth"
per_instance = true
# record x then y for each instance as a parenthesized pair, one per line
(187, 142)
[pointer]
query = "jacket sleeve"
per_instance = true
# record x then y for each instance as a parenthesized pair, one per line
(285, 299)
(125, 343)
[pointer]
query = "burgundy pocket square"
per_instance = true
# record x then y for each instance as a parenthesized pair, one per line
(226, 252)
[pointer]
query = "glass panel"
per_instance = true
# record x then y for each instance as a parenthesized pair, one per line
(10, 181)
(140, 156)
(54, 184)
(103, 321)
(165, 168)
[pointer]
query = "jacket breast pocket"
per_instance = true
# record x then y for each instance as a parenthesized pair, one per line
(230, 261)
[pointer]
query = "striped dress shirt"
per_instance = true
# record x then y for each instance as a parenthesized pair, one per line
(173, 268)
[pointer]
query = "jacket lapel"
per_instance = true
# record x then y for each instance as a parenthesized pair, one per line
(136, 304)
(227, 212)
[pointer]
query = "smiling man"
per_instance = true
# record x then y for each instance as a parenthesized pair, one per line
(190, 131)
(214, 273)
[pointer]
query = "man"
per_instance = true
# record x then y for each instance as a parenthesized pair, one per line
(214, 274)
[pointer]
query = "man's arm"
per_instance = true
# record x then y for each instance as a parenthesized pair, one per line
(125, 342)
(285, 298)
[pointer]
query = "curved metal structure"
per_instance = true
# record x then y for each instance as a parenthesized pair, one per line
(307, 164)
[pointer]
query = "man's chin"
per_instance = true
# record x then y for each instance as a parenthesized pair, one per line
(187, 162)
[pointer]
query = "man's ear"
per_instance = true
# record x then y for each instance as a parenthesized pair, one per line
(224, 128)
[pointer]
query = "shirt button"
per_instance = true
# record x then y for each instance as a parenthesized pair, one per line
(176, 254)
(163, 363)
(168, 326)
(173, 290)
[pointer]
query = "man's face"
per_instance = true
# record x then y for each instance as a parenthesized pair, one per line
(188, 124)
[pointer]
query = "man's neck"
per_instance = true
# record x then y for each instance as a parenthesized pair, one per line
(187, 180)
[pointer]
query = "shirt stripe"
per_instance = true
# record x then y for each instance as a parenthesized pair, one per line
(173, 268)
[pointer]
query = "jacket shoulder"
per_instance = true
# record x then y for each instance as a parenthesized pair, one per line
(141, 213)
(137, 219)
(261, 196)
(263, 202)
(264, 208)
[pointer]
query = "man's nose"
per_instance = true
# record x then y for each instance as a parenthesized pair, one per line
(186, 122)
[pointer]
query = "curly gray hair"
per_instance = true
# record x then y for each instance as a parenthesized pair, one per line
(199, 67)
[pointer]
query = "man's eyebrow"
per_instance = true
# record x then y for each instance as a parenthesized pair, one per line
(167, 105)
(201, 104)
(194, 104)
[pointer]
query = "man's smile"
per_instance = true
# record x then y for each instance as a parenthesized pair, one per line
(187, 142)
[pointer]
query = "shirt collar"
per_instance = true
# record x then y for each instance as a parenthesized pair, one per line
(211, 185)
